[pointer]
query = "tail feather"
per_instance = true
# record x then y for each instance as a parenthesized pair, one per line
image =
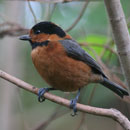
(115, 87)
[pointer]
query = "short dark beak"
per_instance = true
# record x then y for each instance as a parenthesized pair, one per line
(25, 37)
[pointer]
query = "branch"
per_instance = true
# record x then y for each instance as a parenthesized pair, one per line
(121, 34)
(81, 122)
(111, 113)
(53, 10)
(53, 117)
(31, 9)
(99, 45)
(12, 29)
(79, 17)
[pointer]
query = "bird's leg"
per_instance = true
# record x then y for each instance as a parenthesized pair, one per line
(41, 93)
(73, 103)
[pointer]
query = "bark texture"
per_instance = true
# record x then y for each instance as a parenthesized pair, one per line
(121, 34)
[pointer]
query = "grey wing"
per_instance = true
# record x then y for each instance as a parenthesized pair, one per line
(75, 51)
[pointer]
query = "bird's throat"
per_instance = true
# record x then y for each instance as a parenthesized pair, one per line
(36, 44)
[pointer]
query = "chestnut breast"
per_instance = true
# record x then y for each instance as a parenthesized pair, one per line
(59, 70)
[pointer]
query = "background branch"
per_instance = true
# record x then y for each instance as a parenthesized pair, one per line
(56, 114)
(111, 113)
(31, 10)
(12, 29)
(79, 17)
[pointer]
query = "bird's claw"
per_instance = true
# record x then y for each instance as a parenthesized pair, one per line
(41, 93)
(73, 103)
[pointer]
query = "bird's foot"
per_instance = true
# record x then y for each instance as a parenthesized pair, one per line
(73, 103)
(41, 93)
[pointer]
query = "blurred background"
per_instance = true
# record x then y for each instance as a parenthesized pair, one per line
(89, 25)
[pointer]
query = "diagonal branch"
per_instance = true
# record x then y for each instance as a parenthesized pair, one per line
(53, 117)
(33, 14)
(111, 113)
(79, 17)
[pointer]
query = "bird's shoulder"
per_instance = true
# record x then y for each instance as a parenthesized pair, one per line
(74, 51)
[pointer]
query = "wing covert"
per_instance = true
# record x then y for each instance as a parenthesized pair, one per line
(74, 50)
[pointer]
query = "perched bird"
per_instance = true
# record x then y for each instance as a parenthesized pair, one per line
(63, 64)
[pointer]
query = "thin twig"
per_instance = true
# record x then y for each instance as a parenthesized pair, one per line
(83, 114)
(78, 18)
(47, 16)
(54, 116)
(108, 42)
(92, 95)
(33, 14)
(81, 122)
(105, 48)
(53, 10)
(99, 45)
(111, 113)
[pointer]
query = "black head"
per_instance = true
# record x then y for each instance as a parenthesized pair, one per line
(48, 28)
(41, 33)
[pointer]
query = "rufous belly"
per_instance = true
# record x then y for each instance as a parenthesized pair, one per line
(60, 71)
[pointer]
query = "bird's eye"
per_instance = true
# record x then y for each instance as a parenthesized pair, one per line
(37, 32)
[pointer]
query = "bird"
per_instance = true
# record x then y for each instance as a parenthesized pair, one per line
(63, 64)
